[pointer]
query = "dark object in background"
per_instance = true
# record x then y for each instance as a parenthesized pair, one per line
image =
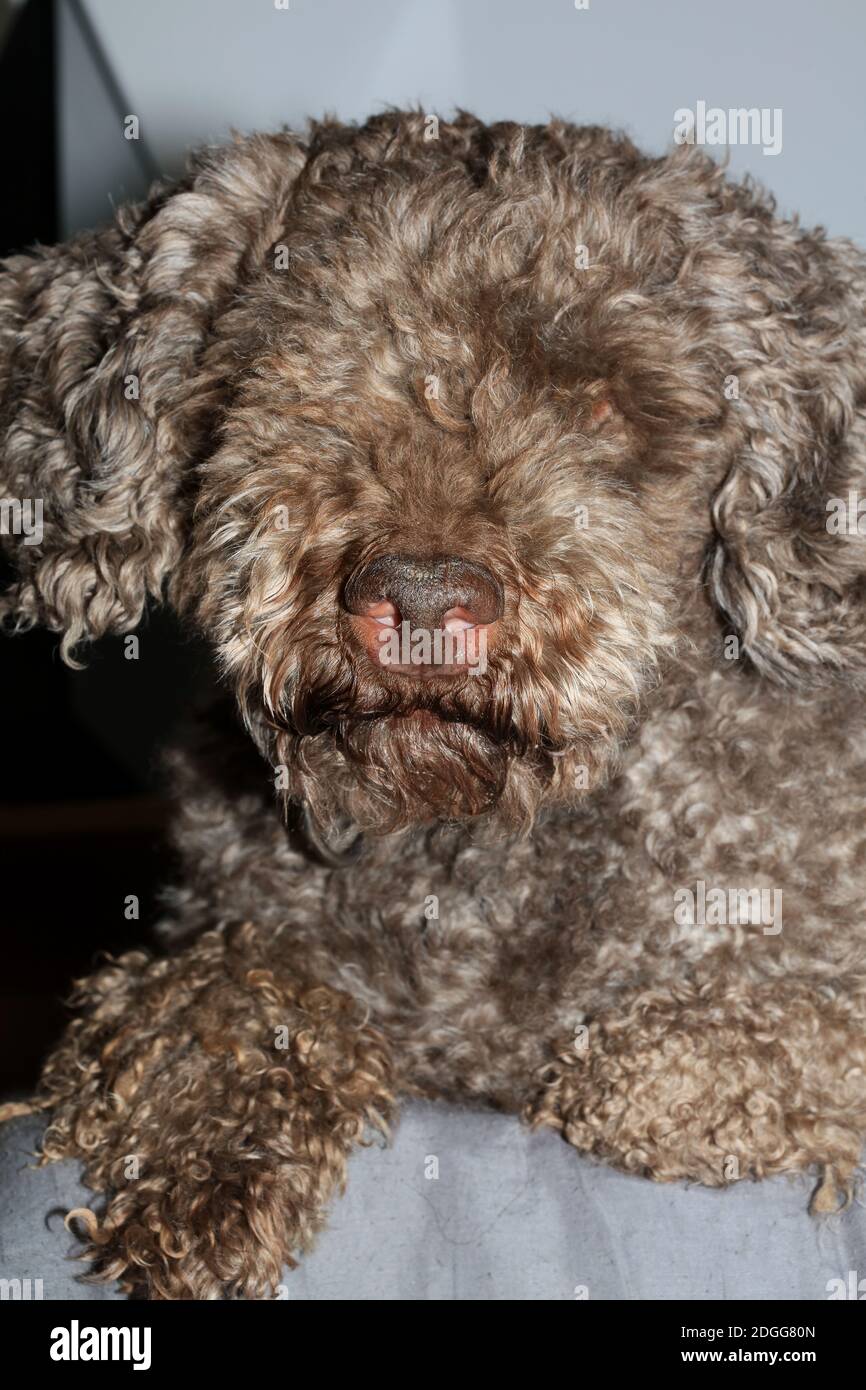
(81, 820)
(28, 116)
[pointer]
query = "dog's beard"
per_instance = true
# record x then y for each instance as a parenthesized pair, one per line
(404, 770)
(387, 759)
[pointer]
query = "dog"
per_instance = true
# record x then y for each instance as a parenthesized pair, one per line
(502, 468)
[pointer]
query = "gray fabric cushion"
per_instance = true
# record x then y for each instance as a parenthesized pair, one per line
(511, 1215)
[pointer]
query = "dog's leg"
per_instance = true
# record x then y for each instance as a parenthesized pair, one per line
(715, 1082)
(214, 1099)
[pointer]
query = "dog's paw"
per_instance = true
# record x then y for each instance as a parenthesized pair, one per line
(715, 1083)
(214, 1104)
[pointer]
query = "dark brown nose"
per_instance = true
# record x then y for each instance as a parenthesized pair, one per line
(431, 592)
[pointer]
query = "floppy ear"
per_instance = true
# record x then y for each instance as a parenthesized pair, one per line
(788, 576)
(107, 393)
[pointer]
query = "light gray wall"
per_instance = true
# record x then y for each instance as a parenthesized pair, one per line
(191, 69)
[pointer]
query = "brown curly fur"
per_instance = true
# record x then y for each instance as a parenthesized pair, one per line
(610, 755)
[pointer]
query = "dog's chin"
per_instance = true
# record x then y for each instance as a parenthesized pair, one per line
(404, 771)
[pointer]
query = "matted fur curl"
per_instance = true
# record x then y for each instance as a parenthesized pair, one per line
(364, 342)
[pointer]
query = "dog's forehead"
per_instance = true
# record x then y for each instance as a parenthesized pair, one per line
(415, 290)
(409, 250)
(427, 294)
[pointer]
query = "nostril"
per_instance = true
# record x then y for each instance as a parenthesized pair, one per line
(458, 620)
(384, 613)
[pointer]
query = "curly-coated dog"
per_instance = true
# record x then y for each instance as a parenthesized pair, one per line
(512, 475)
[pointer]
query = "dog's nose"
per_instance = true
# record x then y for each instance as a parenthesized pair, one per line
(434, 592)
(440, 606)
